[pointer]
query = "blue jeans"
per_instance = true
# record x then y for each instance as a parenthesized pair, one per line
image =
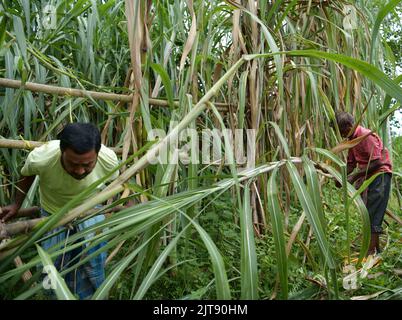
(84, 280)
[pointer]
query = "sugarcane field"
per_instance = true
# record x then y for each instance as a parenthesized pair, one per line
(200, 150)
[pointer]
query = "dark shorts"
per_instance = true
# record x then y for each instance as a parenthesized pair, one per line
(377, 200)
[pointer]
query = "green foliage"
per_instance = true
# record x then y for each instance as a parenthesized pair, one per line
(200, 232)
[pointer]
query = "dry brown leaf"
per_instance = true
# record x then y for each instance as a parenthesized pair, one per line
(191, 36)
(348, 144)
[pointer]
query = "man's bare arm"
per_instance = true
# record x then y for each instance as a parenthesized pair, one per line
(373, 167)
(22, 188)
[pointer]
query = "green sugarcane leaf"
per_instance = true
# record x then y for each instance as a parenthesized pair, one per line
(366, 69)
(20, 35)
(330, 155)
(57, 282)
(281, 138)
(314, 188)
(153, 272)
(361, 207)
(311, 214)
(380, 17)
(166, 82)
(278, 233)
(249, 274)
(221, 280)
(3, 25)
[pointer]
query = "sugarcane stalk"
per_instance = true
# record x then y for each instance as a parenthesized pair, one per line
(27, 274)
(44, 88)
(28, 212)
(63, 91)
(11, 229)
(117, 185)
(5, 254)
(394, 217)
(7, 248)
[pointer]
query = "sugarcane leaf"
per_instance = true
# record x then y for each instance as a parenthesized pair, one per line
(380, 17)
(361, 207)
(249, 275)
(278, 233)
(281, 138)
(166, 82)
(57, 282)
(312, 215)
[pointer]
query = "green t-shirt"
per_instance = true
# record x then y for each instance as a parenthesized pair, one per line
(56, 186)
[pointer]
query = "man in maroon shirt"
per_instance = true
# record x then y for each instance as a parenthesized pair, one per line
(370, 157)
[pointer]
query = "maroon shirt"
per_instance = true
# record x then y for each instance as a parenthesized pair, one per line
(369, 149)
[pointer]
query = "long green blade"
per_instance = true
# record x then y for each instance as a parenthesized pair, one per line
(278, 233)
(57, 283)
(249, 275)
(312, 215)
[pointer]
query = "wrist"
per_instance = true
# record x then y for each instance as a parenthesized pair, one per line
(16, 206)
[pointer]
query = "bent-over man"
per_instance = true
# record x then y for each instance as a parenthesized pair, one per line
(370, 157)
(65, 168)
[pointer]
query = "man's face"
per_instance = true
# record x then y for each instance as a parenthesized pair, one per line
(78, 165)
(345, 130)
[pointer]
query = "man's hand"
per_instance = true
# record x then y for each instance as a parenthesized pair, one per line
(338, 184)
(357, 177)
(8, 212)
(22, 188)
(351, 180)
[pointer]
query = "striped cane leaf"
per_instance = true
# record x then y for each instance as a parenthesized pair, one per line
(330, 155)
(153, 272)
(380, 17)
(281, 138)
(57, 283)
(361, 207)
(312, 215)
(166, 82)
(313, 188)
(249, 274)
(221, 280)
(278, 233)
(366, 69)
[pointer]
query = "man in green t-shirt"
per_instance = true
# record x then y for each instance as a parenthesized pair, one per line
(65, 168)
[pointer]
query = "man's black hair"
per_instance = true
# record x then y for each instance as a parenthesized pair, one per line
(344, 119)
(80, 137)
